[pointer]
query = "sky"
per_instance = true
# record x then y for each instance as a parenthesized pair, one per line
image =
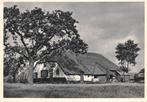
(102, 25)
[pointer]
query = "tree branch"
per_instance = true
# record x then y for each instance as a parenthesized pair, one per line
(19, 53)
(50, 54)
(22, 40)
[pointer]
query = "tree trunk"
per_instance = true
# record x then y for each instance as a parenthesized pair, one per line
(124, 76)
(128, 69)
(128, 66)
(14, 78)
(30, 73)
(51, 76)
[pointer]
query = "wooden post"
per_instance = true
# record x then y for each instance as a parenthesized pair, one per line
(82, 77)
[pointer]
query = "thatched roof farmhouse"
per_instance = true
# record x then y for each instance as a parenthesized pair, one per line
(90, 66)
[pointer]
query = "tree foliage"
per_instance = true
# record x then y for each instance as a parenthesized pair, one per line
(38, 35)
(126, 54)
(12, 64)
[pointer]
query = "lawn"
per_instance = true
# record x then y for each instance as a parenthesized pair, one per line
(112, 90)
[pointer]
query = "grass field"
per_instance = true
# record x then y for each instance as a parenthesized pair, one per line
(116, 90)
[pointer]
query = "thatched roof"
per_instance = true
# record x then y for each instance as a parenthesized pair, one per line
(88, 64)
(97, 60)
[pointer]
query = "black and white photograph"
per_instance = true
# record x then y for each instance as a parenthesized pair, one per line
(73, 50)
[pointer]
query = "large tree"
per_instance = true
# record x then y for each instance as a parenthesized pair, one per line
(37, 35)
(126, 54)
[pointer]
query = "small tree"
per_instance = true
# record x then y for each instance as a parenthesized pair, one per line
(12, 64)
(126, 54)
(39, 35)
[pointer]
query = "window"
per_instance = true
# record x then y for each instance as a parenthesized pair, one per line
(44, 65)
(95, 76)
(57, 72)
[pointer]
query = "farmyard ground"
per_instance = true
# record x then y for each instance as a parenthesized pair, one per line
(112, 90)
